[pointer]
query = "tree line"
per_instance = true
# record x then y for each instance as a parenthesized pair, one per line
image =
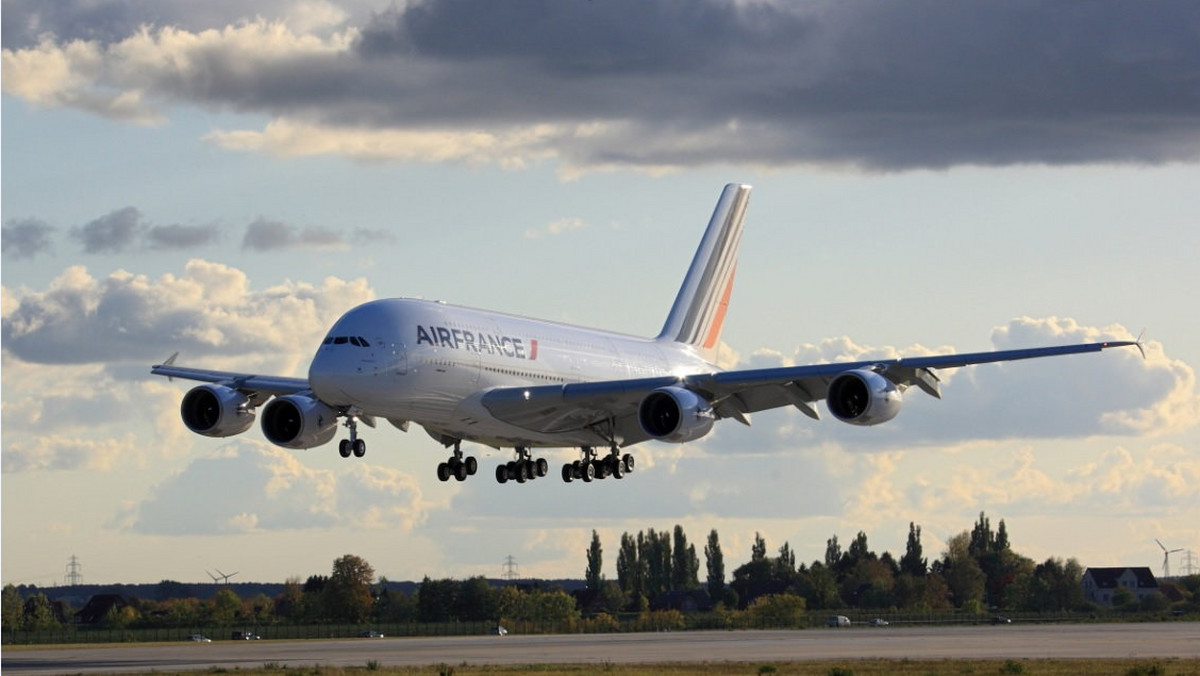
(978, 570)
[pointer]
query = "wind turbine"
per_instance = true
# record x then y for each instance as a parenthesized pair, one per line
(225, 578)
(1166, 558)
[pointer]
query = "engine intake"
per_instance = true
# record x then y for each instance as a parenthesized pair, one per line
(862, 397)
(216, 411)
(298, 421)
(676, 415)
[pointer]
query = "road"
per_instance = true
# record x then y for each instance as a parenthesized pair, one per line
(1148, 640)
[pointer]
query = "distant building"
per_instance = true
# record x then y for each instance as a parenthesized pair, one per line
(687, 601)
(1099, 584)
(98, 607)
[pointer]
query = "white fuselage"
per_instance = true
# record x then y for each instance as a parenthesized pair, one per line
(430, 363)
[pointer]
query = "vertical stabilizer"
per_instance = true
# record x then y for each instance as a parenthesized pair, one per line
(699, 310)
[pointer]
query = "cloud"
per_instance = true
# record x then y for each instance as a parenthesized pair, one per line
(53, 452)
(558, 227)
(126, 229)
(25, 237)
(111, 233)
(208, 310)
(263, 488)
(651, 85)
(170, 237)
(265, 235)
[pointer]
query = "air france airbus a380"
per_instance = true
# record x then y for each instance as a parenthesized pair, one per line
(520, 383)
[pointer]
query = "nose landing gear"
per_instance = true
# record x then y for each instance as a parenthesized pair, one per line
(352, 445)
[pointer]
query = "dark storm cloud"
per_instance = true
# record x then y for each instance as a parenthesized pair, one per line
(926, 83)
(25, 237)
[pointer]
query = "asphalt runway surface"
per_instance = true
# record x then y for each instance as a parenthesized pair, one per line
(1083, 641)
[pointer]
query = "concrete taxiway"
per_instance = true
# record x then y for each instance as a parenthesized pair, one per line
(1149, 641)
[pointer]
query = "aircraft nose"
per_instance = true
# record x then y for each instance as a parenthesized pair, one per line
(323, 376)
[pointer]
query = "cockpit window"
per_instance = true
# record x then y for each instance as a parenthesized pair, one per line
(357, 341)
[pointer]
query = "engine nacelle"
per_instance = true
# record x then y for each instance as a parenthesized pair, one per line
(862, 397)
(298, 421)
(675, 414)
(216, 411)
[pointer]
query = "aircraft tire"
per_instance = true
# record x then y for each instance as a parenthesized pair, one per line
(460, 471)
(501, 473)
(543, 467)
(359, 447)
(616, 468)
(567, 473)
(443, 471)
(472, 465)
(587, 471)
(627, 460)
(344, 448)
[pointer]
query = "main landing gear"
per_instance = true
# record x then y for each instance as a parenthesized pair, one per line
(590, 467)
(524, 468)
(352, 445)
(457, 466)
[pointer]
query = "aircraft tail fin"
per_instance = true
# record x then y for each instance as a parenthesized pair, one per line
(699, 311)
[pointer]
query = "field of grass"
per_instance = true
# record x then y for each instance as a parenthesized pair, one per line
(1032, 667)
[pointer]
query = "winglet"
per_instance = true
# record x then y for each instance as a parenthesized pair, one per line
(170, 360)
(698, 314)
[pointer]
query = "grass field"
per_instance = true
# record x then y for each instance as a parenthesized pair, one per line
(1037, 667)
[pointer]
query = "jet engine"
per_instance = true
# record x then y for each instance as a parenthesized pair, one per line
(298, 421)
(862, 397)
(675, 414)
(216, 411)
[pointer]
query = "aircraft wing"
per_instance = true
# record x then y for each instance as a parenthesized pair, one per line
(733, 394)
(247, 382)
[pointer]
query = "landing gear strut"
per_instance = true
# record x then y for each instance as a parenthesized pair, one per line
(457, 466)
(591, 467)
(352, 445)
(524, 468)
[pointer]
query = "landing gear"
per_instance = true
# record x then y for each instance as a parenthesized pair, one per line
(524, 468)
(457, 466)
(590, 467)
(353, 445)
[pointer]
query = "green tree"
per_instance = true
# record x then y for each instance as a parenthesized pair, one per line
(476, 601)
(777, 610)
(715, 564)
(833, 553)
(685, 567)
(436, 600)
(38, 614)
(630, 575)
(13, 607)
(348, 593)
(594, 577)
(224, 607)
(758, 551)
(962, 574)
(913, 562)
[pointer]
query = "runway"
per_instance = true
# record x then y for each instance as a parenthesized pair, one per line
(1148, 640)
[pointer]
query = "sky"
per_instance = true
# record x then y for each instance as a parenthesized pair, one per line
(224, 179)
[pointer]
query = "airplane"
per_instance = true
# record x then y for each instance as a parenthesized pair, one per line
(512, 382)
